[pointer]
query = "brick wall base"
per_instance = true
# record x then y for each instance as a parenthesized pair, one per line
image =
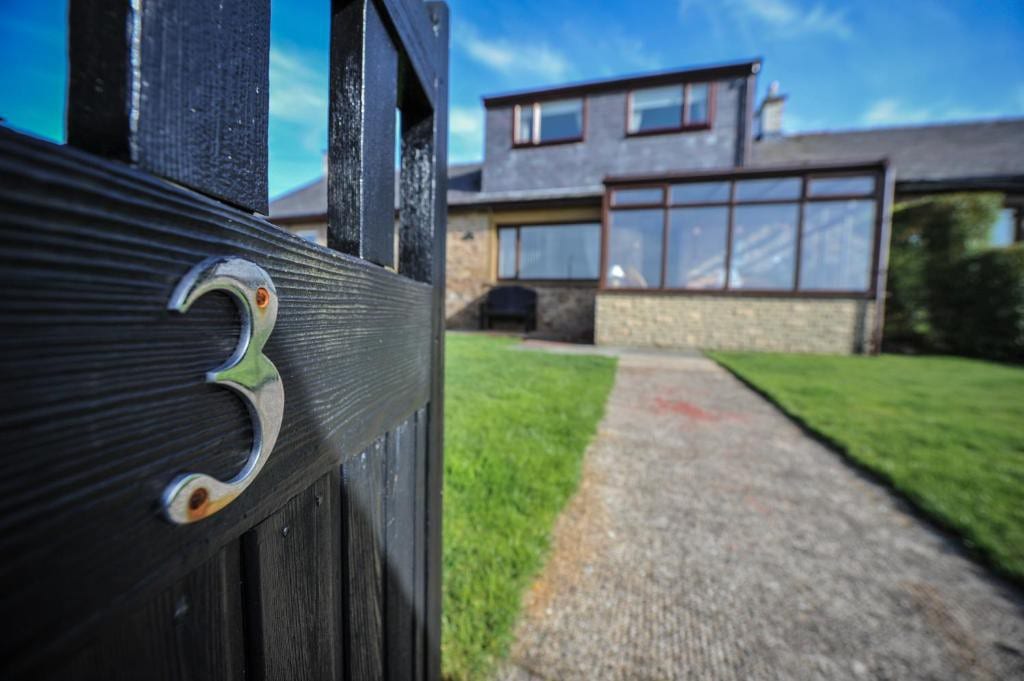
(823, 325)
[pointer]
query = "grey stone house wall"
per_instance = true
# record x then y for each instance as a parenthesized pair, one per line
(607, 150)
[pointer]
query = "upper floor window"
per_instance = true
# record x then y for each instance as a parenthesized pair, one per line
(669, 107)
(559, 120)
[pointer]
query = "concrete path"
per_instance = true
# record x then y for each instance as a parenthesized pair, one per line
(712, 539)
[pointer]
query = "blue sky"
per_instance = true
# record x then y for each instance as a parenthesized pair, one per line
(843, 64)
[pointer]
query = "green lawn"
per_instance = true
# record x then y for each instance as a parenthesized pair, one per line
(516, 426)
(946, 432)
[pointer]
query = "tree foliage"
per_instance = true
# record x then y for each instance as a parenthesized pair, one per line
(947, 291)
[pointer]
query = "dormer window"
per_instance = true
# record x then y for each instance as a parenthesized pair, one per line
(669, 108)
(559, 120)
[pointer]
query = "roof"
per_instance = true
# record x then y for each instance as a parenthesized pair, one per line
(981, 154)
(953, 156)
(310, 200)
(739, 69)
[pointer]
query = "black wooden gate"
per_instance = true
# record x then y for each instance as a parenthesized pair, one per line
(327, 566)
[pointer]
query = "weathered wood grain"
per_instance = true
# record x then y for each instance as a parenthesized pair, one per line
(439, 17)
(417, 190)
(293, 583)
(104, 397)
(363, 511)
(413, 24)
(178, 87)
(191, 630)
(399, 550)
(361, 156)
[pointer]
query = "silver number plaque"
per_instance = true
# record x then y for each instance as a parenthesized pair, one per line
(247, 372)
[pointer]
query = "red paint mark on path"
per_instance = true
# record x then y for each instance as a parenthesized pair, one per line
(661, 405)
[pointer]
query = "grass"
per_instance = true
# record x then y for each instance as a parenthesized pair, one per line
(516, 426)
(948, 433)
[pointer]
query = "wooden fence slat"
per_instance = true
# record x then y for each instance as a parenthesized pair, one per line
(419, 541)
(411, 21)
(191, 630)
(435, 446)
(417, 191)
(363, 518)
(399, 516)
(293, 587)
(177, 87)
(361, 138)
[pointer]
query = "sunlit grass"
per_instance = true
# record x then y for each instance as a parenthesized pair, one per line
(946, 432)
(516, 426)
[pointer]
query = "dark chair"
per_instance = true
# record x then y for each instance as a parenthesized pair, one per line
(515, 303)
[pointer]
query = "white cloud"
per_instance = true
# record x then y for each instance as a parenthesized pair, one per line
(298, 95)
(783, 18)
(511, 58)
(466, 125)
(893, 111)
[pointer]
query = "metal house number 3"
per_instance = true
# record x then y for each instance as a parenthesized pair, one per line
(247, 372)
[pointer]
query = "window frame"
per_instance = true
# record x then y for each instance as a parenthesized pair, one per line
(518, 227)
(535, 126)
(686, 125)
(881, 195)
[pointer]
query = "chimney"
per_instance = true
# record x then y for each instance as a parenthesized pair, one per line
(769, 115)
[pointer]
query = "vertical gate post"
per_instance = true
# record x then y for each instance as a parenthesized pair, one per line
(435, 463)
(178, 88)
(360, 157)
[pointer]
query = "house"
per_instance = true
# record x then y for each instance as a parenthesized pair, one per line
(662, 210)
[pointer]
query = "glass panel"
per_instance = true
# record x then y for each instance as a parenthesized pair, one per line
(562, 119)
(507, 253)
(840, 186)
(764, 247)
(696, 247)
(697, 104)
(559, 251)
(633, 197)
(634, 248)
(700, 192)
(656, 108)
(524, 128)
(1004, 232)
(836, 250)
(771, 188)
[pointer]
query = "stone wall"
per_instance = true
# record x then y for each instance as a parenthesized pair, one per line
(565, 311)
(825, 325)
(468, 267)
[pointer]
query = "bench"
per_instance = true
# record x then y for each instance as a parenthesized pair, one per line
(515, 303)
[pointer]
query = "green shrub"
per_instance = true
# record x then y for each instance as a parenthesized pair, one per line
(931, 239)
(985, 300)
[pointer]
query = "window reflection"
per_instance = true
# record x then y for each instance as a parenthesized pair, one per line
(700, 192)
(569, 251)
(697, 104)
(836, 246)
(656, 108)
(696, 247)
(507, 252)
(632, 197)
(771, 188)
(634, 248)
(764, 247)
(840, 186)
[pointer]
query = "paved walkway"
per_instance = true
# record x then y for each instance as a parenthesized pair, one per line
(712, 539)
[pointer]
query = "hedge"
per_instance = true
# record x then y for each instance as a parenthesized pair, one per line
(948, 292)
